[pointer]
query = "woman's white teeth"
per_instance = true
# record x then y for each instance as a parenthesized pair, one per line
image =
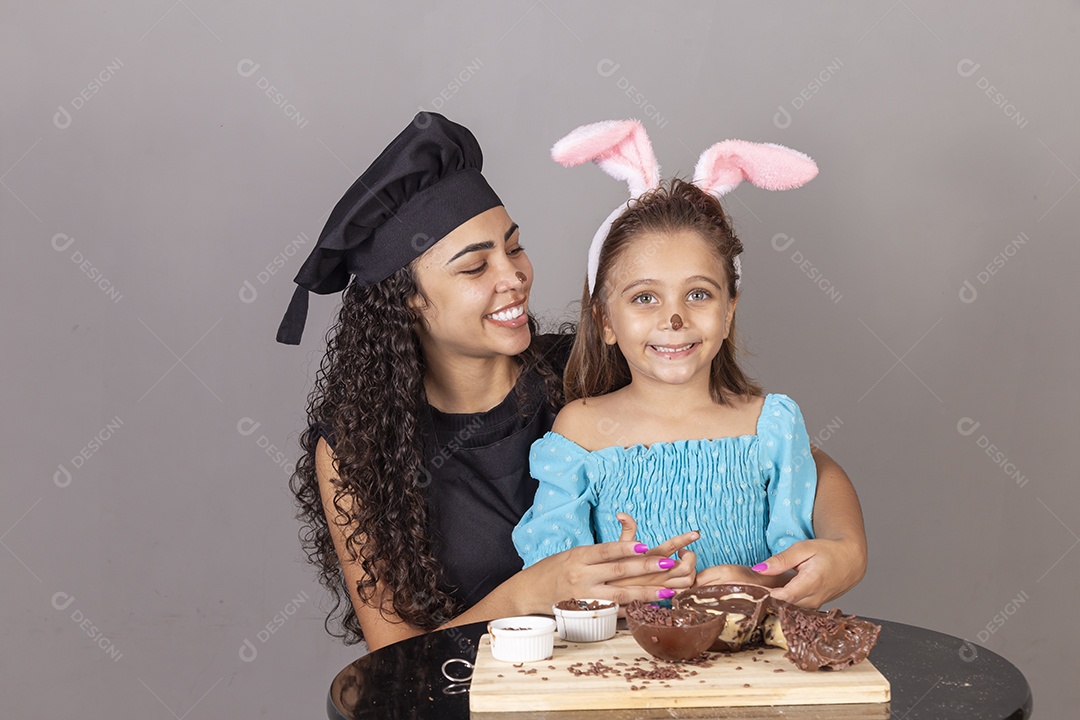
(509, 313)
(664, 349)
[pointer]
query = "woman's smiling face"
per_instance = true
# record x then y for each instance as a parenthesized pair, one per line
(474, 289)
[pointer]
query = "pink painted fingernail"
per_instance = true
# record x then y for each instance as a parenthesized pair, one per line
(665, 593)
(666, 563)
(760, 567)
(641, 548)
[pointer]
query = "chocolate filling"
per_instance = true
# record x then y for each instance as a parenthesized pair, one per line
(817, 639)
(812, 639)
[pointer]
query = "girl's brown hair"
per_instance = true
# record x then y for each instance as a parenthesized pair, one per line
(596, 368)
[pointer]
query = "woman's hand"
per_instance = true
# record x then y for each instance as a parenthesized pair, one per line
(738, 574)
(682, 572)
(620, 571)
(825, 569)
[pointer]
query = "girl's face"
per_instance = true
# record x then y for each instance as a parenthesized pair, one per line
(668, 307)
(475, 284)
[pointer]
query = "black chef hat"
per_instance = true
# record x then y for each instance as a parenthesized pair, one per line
(423, 185)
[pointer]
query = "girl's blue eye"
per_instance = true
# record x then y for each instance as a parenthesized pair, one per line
(699, 295)
(643, 298)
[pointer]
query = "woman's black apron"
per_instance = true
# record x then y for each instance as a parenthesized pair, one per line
(478, 487)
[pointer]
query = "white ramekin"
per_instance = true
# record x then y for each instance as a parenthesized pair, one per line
(587, 625)
(524, 638)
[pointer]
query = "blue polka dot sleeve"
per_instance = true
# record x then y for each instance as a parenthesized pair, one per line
(561, 514)
(790, 475)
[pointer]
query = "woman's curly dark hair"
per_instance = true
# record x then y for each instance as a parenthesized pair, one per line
(368, 394)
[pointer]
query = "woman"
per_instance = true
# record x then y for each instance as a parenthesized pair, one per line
(432, 389)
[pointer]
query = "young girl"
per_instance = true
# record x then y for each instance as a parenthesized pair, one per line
(661, 423)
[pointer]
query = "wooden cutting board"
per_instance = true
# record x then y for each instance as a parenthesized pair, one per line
(731, 680)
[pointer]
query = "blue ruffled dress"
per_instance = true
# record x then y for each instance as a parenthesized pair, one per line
(750, 496)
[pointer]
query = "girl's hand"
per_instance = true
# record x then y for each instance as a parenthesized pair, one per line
(682, 573)
(825, 570)
(591, 571)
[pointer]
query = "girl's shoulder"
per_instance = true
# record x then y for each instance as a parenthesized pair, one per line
(778, 413)
(576, 419)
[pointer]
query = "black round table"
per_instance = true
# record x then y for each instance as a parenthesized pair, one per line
(933, 677)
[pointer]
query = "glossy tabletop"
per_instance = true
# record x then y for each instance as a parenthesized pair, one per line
(933, 677)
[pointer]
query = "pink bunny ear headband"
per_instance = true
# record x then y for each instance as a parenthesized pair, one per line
(622, 149)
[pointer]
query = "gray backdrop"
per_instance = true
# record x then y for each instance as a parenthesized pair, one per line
(167, 165)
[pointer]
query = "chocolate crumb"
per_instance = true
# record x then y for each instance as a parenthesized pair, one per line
(518, 664)
(543, 678)
(574, 604)
(561, 647)
(738, 667)
(499, 675)
(779, 670)
(551, 667)
(746, 684)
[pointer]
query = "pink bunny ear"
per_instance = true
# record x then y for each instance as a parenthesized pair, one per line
(772, 167)
(620, 147)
